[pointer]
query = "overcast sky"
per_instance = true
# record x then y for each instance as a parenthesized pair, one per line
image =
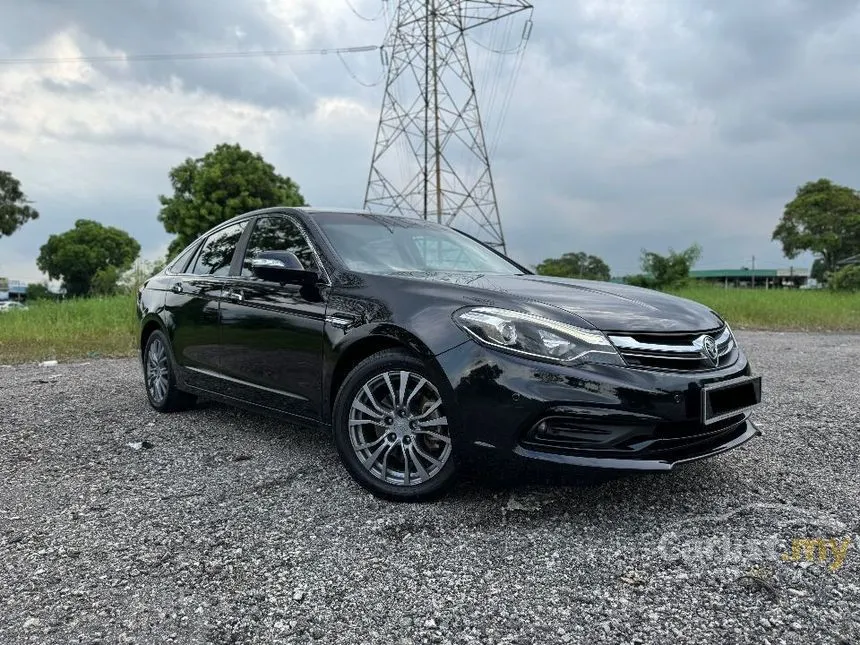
(634, 123)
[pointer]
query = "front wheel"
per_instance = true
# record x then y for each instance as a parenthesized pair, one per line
(392, 430)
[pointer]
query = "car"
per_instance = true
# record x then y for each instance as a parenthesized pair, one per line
(11, 305)
(426, 352)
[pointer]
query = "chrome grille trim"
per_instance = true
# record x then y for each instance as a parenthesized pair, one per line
(724, 342)
(690, 350)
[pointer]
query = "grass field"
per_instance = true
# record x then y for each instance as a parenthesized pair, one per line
(98, 327)
(781, 309)
(79, 328)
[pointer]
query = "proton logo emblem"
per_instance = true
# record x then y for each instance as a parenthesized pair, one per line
(710, 349)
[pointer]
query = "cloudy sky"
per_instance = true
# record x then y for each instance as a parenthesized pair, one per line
(634, 123)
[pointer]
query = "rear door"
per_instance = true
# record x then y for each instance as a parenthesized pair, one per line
(193, 302)
(272, 334)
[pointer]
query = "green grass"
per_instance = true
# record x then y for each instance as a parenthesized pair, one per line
(781, 309)
(90, 328)
(72, 329)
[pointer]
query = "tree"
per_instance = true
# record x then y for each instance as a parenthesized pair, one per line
(823, 218)
(104, 282)
(667, 271)
(818, 271)
(575, 265)
(226, 182)
(142, 271)
(79, 255)
(38, 291)
(15, 209)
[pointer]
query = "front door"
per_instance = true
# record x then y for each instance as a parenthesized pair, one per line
(193, 303)
(272, 334)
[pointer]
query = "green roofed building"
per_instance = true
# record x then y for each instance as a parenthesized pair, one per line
(764, 278)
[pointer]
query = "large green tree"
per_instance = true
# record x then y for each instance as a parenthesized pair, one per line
(15, 209)
(823, 218)
(88, 252)
(575, 265)
(226, 182)
(666, 271)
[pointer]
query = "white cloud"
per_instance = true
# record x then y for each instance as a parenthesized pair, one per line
(633, 122)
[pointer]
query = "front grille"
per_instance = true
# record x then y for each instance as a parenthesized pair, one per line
(679, 352)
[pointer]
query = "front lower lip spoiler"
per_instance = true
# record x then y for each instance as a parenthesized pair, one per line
(602, 463)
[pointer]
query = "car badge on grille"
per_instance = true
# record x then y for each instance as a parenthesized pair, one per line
(710, 349)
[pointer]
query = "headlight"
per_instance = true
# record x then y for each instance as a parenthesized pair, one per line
(537, 337)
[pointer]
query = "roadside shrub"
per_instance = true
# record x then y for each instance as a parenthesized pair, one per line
(640, 280)
(846, 279)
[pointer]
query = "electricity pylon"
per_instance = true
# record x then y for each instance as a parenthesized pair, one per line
(431, 158)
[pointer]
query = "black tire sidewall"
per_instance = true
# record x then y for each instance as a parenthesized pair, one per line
(171, 399)
(376, 364)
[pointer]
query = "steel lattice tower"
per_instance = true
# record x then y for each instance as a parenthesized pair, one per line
(431, 158)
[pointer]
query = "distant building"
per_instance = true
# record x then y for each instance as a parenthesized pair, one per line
(760, 278)
(854, 259)
(12, 289)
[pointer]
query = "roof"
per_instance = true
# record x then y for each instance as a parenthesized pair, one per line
(854, 259)
(749, 273)
(734, 273)
(317, 209)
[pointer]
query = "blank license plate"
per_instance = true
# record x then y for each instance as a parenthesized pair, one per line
(723, 400)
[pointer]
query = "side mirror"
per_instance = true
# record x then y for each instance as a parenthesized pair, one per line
(283, 267)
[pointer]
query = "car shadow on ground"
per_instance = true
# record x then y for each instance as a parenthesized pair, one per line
(691, 488)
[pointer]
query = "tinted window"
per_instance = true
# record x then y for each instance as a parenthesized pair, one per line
(386, 244)
(439, 254)
(278, 234)
(216, 254)
(181, 263)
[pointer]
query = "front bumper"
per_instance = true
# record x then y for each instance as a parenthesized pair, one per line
(588, 416)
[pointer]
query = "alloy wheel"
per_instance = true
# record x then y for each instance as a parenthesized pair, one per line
(398, 428)
(157, 371)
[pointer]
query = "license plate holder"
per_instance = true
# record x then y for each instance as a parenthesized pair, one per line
(726, 399)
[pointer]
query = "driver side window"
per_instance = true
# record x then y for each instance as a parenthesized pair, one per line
(277, 234)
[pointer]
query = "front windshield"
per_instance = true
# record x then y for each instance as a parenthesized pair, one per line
(384, 244)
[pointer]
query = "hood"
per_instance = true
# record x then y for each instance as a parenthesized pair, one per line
(607, 306)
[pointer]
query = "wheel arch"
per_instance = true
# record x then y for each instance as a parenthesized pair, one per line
(149, 324)
(378, 340)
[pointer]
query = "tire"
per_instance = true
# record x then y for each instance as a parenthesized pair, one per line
(397, 441)
(159, 376)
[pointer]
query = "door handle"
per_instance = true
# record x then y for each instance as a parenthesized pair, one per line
(235, 296)
(177, 288)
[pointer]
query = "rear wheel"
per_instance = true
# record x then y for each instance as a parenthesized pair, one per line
(159, 375)
(392, 430)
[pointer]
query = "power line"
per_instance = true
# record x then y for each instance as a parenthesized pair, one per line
(355, 77)
(430, 109)
(382, 11)
(134, 58)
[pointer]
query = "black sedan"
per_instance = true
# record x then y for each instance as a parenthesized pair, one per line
(424, 350)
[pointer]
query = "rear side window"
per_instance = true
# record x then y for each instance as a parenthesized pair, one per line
(180, 265)
(216, 254)
(278, 234)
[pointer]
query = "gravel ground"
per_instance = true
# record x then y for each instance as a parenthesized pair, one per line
(226, 527)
